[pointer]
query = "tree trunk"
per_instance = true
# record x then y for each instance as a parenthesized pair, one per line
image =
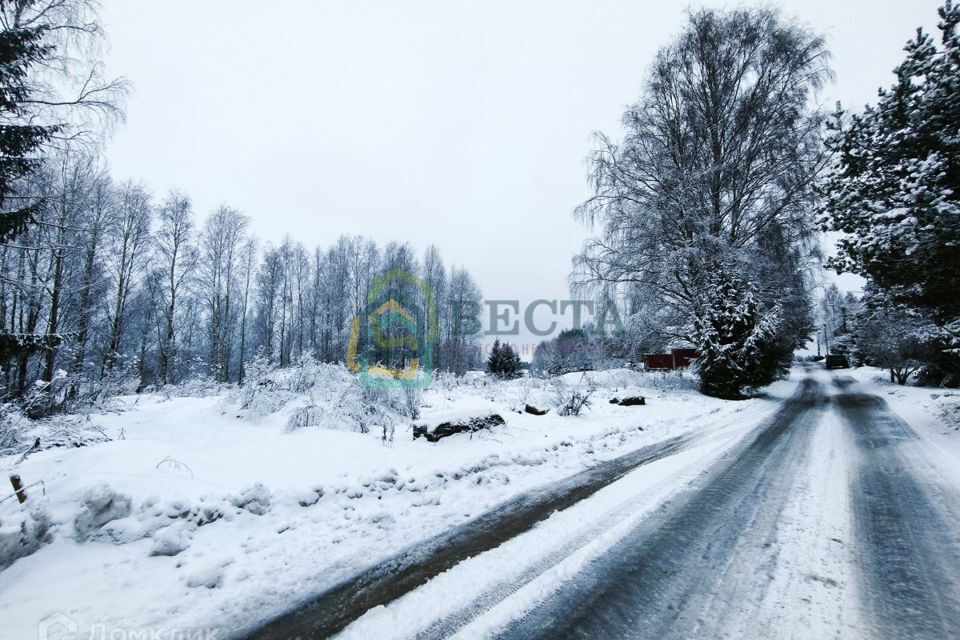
(53, 322)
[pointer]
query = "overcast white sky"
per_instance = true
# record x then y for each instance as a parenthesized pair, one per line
(463, 124)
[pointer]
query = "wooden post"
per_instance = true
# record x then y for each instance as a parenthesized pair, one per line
(18, 488)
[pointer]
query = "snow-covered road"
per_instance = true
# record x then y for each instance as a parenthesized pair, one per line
(906, 525)
(830, 520)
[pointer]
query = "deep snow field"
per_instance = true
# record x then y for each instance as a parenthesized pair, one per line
(214, 513)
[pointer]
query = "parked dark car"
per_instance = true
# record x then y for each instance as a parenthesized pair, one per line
(837, 361)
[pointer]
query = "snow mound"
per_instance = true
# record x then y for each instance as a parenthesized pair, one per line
(209, 577)
(23, 534)
(172, 539)
(255, 499)
(309, 497)
(101, 505)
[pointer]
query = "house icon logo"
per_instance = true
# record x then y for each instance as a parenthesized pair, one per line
(392, 340)
(57, 626)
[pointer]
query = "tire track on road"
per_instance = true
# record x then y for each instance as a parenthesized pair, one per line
(909, 554)
(661, 579)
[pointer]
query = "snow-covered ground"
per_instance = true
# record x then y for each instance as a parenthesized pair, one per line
(212, 513)
(799, 577)
(200, 514)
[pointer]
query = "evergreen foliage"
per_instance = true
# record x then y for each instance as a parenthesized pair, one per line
(504, 361)
(894, 187)
(740, 343)
(21, 51)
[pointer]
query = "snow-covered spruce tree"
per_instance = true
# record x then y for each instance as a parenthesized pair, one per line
(718, 165)
(838, 319)
(22, 50)
(504, 361)
(740, 343)
(894, 187)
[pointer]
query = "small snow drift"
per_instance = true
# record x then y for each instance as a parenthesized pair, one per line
(632, 401)
(209, 577)
(255, 499)
(172, 539)
(23, 534)
(445, 429)
(101, 505)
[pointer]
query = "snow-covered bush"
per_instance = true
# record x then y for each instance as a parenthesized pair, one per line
(410, 399)
(517, 394)
(309, 375)
(306, 416)
(268, 389)
(80, 393)
(445, 381)
(670, 380)
(572, 399)
(368, 409)
(101, 504)
(475, 379)
(12, 422)
(199, 386)
(22, 534)
(258, 394)
(255, 499)
(67, 431)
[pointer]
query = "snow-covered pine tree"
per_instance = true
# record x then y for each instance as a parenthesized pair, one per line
(495, 358)
(894, 188)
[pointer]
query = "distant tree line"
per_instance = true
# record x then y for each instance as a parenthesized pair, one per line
(589, 348)
(104, 281)
(138, 286)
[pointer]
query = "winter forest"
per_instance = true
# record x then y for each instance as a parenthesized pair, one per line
(108, 287)
(303, 438)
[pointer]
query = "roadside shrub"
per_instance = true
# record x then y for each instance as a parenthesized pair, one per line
(308, 416)
(573, 399)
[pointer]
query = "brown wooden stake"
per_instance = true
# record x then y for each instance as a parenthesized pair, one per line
(18, 489)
